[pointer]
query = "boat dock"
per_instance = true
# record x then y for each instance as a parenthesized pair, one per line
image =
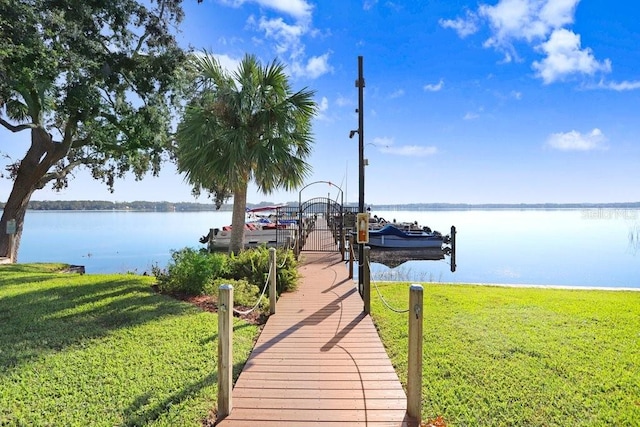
(319, 360)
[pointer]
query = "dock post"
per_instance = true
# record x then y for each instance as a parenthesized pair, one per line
(414, 363)
(453, 249)
(225, 350)
(351, 253)
(210, 240)
(366, 281)
(272, 280)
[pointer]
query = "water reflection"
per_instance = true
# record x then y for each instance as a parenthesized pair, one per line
(634, 239)
(394, 257)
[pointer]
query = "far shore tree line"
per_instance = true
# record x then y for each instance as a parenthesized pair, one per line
(98, 85)
(140, 205)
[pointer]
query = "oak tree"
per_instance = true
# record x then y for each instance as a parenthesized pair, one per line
(94, 84)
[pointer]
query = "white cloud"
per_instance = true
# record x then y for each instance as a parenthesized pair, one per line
(411, 150)
(471, 116)
(564, 56)
(323, 105)
(369, 4)
(397, 94)
(298, 9)
(228, 63)
(343, 101)
(540, 23)
(575, 141)
(526, 19)
(314, 68)
(463, 26)
(286, 36)
(619, 86)
(516, 94)
(434, 87)
(386, 145)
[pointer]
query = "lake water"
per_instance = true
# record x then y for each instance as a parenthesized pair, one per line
(589, 247)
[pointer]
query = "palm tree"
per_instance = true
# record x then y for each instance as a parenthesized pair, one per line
(244, 126)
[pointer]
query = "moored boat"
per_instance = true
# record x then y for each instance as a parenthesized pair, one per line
(259, 229)
(390, 236)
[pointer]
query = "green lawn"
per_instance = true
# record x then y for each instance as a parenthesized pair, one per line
(104, 350)
(496, 356)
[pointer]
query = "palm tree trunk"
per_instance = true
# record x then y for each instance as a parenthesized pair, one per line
(236, 243)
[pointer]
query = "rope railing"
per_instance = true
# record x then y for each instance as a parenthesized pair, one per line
(386, 304)
(284, 261)
(264, 289)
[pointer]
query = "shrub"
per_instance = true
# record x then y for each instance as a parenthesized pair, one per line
(244, 293)
(253, 265)
(194, 272)
(287, 268)
(190, 271)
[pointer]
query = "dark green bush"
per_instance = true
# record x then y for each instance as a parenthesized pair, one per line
(253, 265)
(195, 272)
(244, 293)
(190, 271)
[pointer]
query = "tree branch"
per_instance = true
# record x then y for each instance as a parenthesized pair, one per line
(18, 128)
(62, 173)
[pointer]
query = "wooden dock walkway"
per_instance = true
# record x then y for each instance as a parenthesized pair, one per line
(319, 360)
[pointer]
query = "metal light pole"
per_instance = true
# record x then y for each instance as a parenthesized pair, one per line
(360, 86)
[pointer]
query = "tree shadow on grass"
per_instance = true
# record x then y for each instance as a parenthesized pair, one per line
(141, 413)
(52, 314)
(138, 413)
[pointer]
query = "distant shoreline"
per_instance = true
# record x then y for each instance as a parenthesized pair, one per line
(143, 206)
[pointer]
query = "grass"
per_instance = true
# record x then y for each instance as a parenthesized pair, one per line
(496, 356)
(105, 350)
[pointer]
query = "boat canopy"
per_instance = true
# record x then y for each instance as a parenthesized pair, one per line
(390, 230)
(265, 208)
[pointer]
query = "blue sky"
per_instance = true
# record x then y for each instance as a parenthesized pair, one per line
(510, 101)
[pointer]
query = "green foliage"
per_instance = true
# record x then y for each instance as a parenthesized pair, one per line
(243, 126)
(105, 350)
(495, 356)
(244, 293)
(197, 272)
(96, 75)
(253, 265)
(191, 271)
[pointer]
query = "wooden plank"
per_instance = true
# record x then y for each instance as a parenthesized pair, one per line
(269, 423)
(334, 355)
(328, 386)
(250, 392)
(329, 361)
(319, 415)
(320, 369)
(325, 404)
(320, 376)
